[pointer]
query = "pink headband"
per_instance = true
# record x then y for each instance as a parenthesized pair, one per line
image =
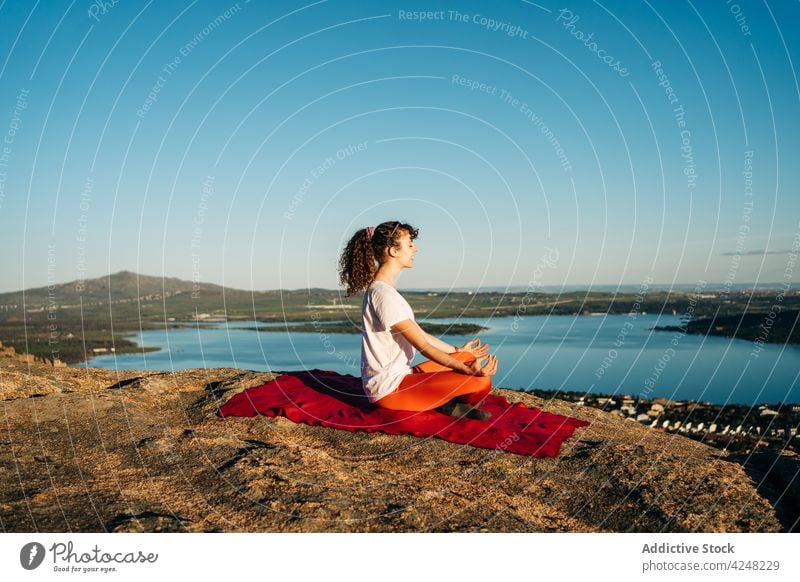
(370, 230)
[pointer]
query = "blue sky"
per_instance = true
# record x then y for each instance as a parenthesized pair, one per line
(244, 143)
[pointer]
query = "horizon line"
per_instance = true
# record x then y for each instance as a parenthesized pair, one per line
(572, 286)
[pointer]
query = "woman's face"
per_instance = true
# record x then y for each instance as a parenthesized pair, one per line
(405, 254)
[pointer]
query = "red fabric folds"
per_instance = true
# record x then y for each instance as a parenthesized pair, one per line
(326, 398)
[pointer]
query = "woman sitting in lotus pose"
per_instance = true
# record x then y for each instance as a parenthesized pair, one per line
(452, 380)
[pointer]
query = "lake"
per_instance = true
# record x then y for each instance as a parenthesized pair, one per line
(606, 353)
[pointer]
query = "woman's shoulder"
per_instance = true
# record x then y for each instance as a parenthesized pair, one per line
(381, 289)
(379, 286)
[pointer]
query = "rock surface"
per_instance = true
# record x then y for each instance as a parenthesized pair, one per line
(91, 450)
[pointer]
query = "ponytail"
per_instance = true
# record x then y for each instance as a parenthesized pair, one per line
(357, 263)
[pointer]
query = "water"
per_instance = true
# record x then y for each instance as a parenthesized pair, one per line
(545, 352)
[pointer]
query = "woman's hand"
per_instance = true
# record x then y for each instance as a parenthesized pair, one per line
(488, 370)
(475, 348)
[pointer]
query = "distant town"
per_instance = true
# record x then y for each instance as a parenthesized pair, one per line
(732, 427)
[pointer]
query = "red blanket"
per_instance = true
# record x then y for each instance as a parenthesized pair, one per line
(325, 398)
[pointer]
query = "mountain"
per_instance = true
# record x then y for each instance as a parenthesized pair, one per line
(121, 285)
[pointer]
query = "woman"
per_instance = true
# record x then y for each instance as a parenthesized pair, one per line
(452, 380)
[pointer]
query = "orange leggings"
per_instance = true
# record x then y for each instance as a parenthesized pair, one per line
(430, 385)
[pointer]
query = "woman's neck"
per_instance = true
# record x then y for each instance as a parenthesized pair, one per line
(386, 275)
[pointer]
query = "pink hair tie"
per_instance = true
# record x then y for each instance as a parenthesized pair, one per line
(370, 230)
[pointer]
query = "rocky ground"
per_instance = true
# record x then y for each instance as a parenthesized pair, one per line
(94, 450)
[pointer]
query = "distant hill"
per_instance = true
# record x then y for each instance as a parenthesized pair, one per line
(121, 285)
(127, 285)
(70, 321)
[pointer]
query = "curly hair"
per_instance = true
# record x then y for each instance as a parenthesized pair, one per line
(357, 262)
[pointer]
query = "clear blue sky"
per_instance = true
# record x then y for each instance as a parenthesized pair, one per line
(190, 139)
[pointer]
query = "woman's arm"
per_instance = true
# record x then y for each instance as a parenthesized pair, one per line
(413, 333)
(436, 342)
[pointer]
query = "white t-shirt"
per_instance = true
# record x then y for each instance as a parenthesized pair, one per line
(385, 358)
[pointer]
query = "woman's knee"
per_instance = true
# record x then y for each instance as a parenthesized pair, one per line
(483, 383)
